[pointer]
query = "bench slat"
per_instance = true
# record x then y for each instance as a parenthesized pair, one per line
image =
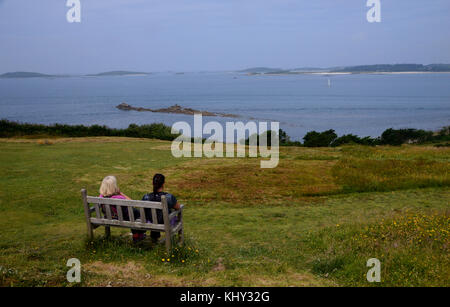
(97, 211)
(142, 213)
(131, 214)
(119, 213)
(124, 202)
(154, 217)
(126, 224)
(108, 212)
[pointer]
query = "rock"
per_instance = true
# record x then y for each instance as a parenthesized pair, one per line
(124, 106)
(175, 109)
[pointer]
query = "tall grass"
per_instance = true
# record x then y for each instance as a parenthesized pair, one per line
(413, 250)
(370, 175)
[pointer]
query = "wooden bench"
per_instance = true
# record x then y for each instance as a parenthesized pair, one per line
(105, 217)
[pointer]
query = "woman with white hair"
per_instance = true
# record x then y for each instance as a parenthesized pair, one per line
(110, 189)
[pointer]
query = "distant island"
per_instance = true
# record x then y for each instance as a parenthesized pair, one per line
(396, 68)
(175, 109)
(119, 73)
(259, 70)
(26, 74)
(361, 69)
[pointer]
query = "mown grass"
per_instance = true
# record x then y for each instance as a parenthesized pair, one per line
(245, 226)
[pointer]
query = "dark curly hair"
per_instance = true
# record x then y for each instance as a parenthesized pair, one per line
(158, 181)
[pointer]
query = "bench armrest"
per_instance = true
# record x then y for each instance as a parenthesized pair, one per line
(176, 212)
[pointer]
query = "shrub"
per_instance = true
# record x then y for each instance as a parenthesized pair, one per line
(268, 136)
(401, 136)
(443, 135)
(354, 139)
(153, 131)
(319, 139)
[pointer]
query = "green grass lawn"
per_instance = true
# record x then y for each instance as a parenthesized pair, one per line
(313, 221)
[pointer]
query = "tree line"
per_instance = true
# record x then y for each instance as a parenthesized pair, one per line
(151, 131)
(327, 138)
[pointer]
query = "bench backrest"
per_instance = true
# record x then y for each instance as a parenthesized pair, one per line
(106, 217)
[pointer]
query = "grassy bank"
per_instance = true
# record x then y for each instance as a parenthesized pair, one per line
(313, 220)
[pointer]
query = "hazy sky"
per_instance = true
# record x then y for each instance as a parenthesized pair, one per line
(192, 35)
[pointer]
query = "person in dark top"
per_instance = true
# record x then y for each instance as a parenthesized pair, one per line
(172, 203)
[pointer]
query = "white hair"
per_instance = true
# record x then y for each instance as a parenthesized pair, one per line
(109, 186)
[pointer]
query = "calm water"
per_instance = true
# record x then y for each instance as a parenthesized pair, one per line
(358, 104)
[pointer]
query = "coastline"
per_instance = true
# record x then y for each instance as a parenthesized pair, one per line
(350, 73)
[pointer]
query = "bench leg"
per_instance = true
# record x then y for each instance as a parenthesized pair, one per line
(181, 235)
(90, 232)
(87, 214)
(168, 241)
(107, 232)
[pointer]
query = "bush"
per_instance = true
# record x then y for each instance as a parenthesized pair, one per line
(319, 139)
(268, 136)
(354, 139)
(401, 136)
(443, 135)
(163, 132)
(152, 131)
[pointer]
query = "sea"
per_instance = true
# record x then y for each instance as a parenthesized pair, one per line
(361, 104)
